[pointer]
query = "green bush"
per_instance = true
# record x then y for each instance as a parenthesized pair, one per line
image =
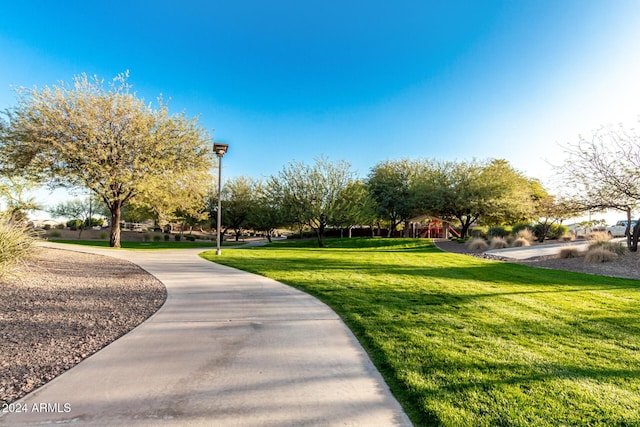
(167, 237)
(54, 233)
(177, 237)
(74, 224)
(157, 238)
(190, 237)
(146, 237)
(60, 226)
(16, 245)
(46, 227)
(555, 231)
(497, 232)
(478, 233)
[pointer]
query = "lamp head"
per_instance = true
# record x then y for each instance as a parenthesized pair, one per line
(220, 149)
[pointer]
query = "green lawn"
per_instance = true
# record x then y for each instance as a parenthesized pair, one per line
(464, 341)
(147, 245)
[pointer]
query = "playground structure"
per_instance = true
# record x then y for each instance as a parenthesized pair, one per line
(431, 227)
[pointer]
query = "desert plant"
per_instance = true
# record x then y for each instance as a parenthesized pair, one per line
(521, 242)
(498, 243)
(477, 245)
(167, 237)
(157, 238)
(599, 236)
(16, 245)
(568, 238)
(599, 254)
(54, 233)
(569, 252)
(177, 237)
(146, 237)
(614, 247)
(519, 227)
(60, 227)
(525, 233)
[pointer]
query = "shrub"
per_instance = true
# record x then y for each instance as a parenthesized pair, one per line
(177, 237)
(521, 242)
(599, 236)
(498, 243)
(568, 238)
(46, 227)
(477, 245)
(60, 226)
(497, 232)
(569, 252)
(525, 233)
(613, 247)
(16, 245)
(519, 227)
(54, 233)
(102, 235)
(157, 238)
(190, 237)
(599, 254)
(146, 237)
(478, 233)
(167, 237)
(74, 224)
(555, 231)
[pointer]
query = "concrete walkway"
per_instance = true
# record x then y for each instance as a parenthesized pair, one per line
(527, 252)
(228, 348)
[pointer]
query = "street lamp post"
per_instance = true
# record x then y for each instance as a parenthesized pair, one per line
(220, 150)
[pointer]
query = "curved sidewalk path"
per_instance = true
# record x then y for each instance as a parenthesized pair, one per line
(228, 348)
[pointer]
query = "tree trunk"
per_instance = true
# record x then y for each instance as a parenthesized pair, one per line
(628, 232)
(636, 236)
(269, 235)
(114, 239)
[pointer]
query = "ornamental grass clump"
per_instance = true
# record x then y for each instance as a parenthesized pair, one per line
(526, 234)
(477, 245)
(614, 247)
(521, 242)
(569, 252)
(499, 243)
(599, 254)
(16, 245)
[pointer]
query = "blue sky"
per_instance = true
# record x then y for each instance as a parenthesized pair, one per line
(359, 81)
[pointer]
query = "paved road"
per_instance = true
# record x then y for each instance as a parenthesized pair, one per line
(228, 348)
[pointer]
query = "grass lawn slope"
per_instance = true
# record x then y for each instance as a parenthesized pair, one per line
(464, 341)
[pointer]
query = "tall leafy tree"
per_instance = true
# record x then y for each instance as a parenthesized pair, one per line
(471, 191)
(267, 212)
(353, 207)
(309, 193)
(107, 139)
(238, 201)
(389, 184)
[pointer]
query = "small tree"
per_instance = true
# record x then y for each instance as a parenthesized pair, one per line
(81, 209)
(604, 173)
(309, 193)
(105, 139)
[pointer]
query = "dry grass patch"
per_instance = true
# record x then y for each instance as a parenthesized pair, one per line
(599, 254)
(521, 242)
(499, 243)
(569, 252)
(477, 245)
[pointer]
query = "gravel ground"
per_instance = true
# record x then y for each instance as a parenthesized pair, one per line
(627, 266)
(63, 306)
